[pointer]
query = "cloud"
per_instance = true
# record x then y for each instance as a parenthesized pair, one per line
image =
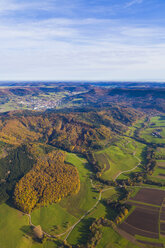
(8, 6)
(87, 49)
(60, 47)
(129, 4)
(34, 7)
(11, 6)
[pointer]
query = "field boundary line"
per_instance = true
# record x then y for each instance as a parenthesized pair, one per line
(140, 229)
(70, 229)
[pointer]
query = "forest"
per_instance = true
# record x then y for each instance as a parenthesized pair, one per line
(49, 180)
(73, 131)
(32, 140)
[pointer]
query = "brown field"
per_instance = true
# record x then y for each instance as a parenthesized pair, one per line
(134, 231)
(144, 219)
(150, 196)
(162, 216)
(162, 233)
(161, 167)
(161, 163)
(162, 226)
(151, 243)
(160, 177)
(161, 174)
(141, 205)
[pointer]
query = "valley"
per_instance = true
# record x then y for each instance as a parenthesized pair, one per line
(107, 163)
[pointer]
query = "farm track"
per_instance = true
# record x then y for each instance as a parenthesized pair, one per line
(68, 231)
(120, 173)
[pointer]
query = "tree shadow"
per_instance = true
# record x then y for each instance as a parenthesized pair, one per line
(28, 232)
(88, 166)
(11, 204)
(144, 157)
(84, 230)
(110, 213)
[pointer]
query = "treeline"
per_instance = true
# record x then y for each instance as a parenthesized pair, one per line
(74, 131)
(12, 168)
(95, 234)
(160, 156)
(97, 168)
(148, 167)
(150, 161)
(121, 210)
(48, 182)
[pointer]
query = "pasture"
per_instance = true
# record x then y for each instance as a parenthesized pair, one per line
(160, 153)
(154, 132)
(111, 238)
(57, 218)
(15, 231)
(119, 157)
(159, 171)
(154, 135)
(13, 227)
(157, 121)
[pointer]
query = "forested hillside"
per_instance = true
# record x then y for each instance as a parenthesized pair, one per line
(73, 131)
(28, 158)
(13, 166)
(68, 167)
(49, 181)
(138, 98)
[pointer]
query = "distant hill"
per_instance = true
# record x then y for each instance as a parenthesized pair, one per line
(142, 98)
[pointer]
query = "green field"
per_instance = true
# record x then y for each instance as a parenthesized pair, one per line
(157, 121)
(148, 133)
(137, 124)
(110, 238)
(13, 227)
(155, 130)
(122, 156)
(157, 170)
(160, 153)
(15, 231)
(57, 218)
(81, 231)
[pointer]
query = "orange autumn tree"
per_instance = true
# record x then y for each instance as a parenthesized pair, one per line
(48, 182)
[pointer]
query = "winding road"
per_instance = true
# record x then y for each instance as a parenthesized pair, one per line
(130, 169)
(70, 229)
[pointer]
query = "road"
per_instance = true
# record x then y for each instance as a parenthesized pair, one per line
(70, 229)
(130, 169)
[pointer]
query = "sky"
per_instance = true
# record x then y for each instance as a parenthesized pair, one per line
(106, 40)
